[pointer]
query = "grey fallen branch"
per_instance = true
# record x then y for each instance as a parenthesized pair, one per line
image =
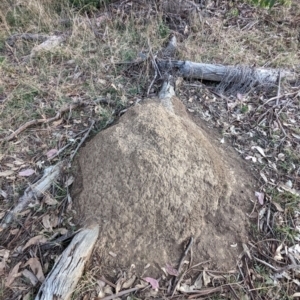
(33, 37)
(218, 73)
(82, 141)
(63, 278)
(34, 192)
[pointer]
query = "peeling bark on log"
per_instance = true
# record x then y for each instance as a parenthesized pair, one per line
(189, 69)
(34, 192)
(62, 280)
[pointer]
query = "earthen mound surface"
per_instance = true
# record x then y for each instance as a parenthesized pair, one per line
(154, 180)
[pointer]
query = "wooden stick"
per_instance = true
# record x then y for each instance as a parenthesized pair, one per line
(177, 280)
(114, 296)
(82, 140)
(43, 121)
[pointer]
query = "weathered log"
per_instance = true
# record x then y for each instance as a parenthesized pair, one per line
(34, 192)
(218, 73)
(62, 280)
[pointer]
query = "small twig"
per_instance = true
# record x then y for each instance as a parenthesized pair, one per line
(197, 9)
(275, 98)
(268, 220)
(155, 75)
(42, 121)
(198, 264)
(289, 267)
(248, 277)
(108, 282)
(266, 264)
(211, 290)
(82, 140)
(280, 125)
(185, 253)
(279, 88)
(283, 107)
(114, 296)
(233, 291)
(177, 280)
(60, 151)
(155, 67)
(141, 58)
(67, 145)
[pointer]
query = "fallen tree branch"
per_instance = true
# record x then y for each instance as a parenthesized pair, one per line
(34, 192)
(194, 70)
(11, 40)
(43, 121)
(82, 140)
(62, 280)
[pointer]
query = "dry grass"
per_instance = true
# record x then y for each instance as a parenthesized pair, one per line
(85, 67)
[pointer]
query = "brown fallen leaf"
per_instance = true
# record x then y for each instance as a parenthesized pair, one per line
(185, 288)
(6, 173)
(39, 239)
(69, 181)
(129, 282)
(36, 268)
(112, 254)
(278, 206)
(26, 173)
(260, 150)
(2, 214)
(62, 231)
(260, 197)
(50, 201)
(290, 190)
(171, 271)
(206, 278)
(278, 255)
(4, 253)
(51, 152)
(13, 274)
(30, 276)
(46, 222)
(27, 296)
(296, 295)
(119, 284)
(54, 221)
(56, 123)
(153, 282)
(19, 162)
(3, 266)
(14, 231)
(263, 176)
